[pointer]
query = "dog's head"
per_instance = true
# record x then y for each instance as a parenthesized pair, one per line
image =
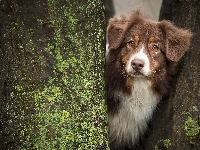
(143, 47)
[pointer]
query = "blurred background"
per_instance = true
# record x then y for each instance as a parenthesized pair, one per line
(151, 8)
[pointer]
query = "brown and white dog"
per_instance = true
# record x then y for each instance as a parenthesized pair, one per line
(142, 57)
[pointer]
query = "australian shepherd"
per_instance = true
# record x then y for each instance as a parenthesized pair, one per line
(141, 60)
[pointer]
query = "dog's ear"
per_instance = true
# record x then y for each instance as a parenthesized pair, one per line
(177, 40)
(115, 32)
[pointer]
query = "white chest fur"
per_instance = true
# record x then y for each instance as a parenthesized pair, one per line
(135, 111)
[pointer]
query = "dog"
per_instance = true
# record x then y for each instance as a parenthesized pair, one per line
(141, 59)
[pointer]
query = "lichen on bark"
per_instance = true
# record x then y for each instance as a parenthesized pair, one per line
(52, 75)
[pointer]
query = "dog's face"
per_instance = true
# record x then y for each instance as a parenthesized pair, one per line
(141, 50)
(140, 47)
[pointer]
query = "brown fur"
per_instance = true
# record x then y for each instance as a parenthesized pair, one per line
(165, 45)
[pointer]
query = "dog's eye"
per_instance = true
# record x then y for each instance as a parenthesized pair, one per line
(131, 43)
(155, 47)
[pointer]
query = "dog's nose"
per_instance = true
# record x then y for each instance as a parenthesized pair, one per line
(137, 64)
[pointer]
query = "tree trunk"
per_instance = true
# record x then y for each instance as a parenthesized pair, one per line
(176, 122)
(109, 13)
(51, 74)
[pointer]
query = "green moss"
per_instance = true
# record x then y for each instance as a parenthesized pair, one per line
(192, 127)
(58, 96)
(166, 143)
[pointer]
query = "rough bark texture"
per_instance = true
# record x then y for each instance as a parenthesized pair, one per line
(109, 9)
(51, 74)
(176, 122)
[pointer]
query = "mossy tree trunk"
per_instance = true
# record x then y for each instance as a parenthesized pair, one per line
(51, 74)
(176, 124)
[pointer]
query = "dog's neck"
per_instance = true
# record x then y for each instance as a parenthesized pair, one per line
(134, 112)
(142, 94)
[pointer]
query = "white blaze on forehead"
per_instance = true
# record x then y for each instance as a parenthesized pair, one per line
(143, 57)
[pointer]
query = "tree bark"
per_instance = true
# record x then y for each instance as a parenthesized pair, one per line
(51, 74)
(109, 13)
(176, 122)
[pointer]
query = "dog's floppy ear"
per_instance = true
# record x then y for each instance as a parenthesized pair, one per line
(115, 32)
(177, 40)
